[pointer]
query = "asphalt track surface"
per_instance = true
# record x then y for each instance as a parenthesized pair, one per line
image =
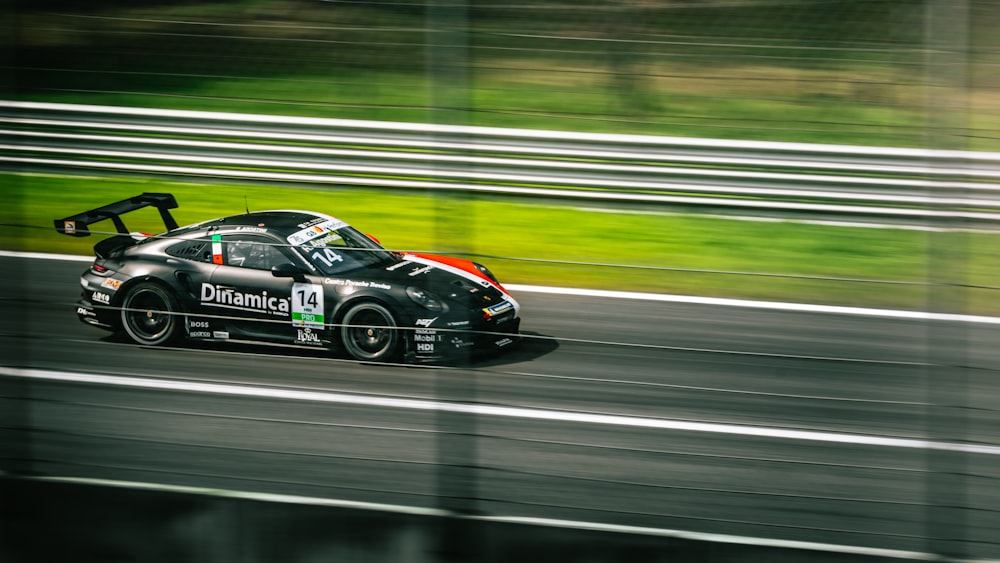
(848, 431)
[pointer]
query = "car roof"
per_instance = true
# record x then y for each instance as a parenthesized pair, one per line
(282, 222)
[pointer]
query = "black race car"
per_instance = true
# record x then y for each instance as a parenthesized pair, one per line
(292, 277)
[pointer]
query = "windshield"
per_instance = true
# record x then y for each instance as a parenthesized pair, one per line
(336, 248)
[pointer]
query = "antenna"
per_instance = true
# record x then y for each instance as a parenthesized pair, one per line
(245, 204)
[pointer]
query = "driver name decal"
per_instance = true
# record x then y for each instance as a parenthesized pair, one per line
(217, 296)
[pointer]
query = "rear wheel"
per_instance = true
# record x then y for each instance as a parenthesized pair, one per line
(149, 314)
(369, 333)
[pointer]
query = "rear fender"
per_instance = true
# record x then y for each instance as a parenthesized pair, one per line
(131, 282)
(114, 246)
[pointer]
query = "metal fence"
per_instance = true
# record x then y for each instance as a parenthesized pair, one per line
(891, 184)
(886, 72)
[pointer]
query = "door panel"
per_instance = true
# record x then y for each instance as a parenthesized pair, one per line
(254, 303)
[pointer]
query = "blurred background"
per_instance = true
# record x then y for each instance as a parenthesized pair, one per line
(850, 72)
(838, 154)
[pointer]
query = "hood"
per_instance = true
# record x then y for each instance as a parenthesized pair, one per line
(446, 280)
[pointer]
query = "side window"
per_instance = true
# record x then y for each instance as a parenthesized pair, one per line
(197, 250)
(252, 253)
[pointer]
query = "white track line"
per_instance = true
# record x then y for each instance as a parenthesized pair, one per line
(773, 305)
(494, 411)
(486, 410)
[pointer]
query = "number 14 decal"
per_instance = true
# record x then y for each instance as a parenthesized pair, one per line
(307, 305)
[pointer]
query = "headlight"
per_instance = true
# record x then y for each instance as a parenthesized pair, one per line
(425, 299)
(486, 272)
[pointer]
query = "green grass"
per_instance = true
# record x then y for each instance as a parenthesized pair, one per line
(561, 245)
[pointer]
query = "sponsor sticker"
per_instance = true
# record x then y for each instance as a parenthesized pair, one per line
(313, 221)
(69, 227)
(99, 297)
(220, 296)
(498, 309)
(356, 283)
(307, 336)
(111, 284)
(313, 231)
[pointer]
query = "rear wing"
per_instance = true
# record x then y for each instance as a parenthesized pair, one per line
(79, 225)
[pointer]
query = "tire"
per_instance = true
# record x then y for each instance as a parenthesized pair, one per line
(149, 314)
(368, 333)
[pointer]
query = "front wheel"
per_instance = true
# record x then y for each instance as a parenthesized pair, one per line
(369, 333)
(149, 314)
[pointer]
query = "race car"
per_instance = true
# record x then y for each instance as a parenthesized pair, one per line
(291, 277)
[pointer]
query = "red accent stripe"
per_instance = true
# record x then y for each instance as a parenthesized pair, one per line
(461, 264)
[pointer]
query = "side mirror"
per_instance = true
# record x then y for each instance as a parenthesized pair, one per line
(288, 270)
(378, 242)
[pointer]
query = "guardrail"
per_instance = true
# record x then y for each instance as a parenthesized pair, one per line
(894, 184)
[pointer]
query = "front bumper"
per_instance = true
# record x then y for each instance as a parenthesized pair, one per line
(441, 344)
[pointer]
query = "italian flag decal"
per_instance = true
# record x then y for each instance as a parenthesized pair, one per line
(217, 249)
